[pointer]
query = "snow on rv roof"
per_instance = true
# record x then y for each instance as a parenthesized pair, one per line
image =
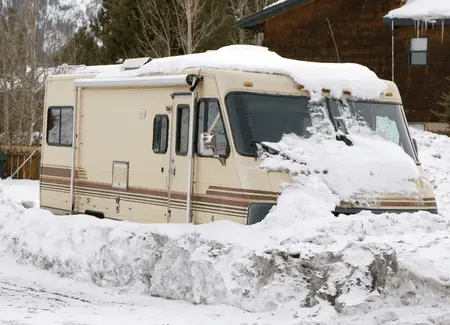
(338, 77)
(422, 10)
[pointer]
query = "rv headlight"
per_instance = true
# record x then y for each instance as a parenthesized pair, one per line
(257, 212)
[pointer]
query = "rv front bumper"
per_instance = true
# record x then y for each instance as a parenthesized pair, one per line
(349, 211)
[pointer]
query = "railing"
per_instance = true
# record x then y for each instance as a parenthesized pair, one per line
(27, 158)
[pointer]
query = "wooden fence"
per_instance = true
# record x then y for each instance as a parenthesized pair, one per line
(16, 156)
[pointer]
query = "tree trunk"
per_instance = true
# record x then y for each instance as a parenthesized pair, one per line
(189, 17)
(6, 116)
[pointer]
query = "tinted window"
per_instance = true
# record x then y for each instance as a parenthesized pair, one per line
(261, 117)
(182, 139)
(210, 121)
(160, 133)
(60, 126)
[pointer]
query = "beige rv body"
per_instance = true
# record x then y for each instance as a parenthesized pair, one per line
(117, 174)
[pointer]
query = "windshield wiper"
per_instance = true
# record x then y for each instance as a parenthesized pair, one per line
(273, 151)
(339, 126)
(268, 149)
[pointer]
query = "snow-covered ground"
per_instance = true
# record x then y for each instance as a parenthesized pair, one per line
(310, 268)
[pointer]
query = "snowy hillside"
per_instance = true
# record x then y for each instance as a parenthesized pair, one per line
(371, 269)
(57, 20)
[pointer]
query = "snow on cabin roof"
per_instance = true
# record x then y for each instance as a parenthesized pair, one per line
(338, 77)
(425, 10)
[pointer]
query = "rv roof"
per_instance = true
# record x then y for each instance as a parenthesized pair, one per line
(337, 77)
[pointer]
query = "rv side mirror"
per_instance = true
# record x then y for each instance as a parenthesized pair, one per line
(416, 147)
(207, 146)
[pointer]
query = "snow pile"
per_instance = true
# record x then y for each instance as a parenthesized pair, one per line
(426, 10)
(357, 79)
(300, 256)
(350, 172)
(24, 192)
(190, 263)
(434, 153)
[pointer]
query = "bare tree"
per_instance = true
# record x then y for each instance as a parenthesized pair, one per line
(241, 9)
(157, 20)
(196, 20)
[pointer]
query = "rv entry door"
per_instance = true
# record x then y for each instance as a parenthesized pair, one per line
(179, 159)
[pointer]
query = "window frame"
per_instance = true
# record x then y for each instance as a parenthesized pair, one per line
(180, 107)
(197, 111)
(60, 108)
(166, 117)
(410, 63)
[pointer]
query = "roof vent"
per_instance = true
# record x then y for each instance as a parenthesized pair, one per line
(133, 64)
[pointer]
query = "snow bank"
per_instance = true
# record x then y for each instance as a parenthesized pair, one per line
(308, 258)
(425, 10)
(434, 154)
(359, 80)
(350, 172)
(186, 263)
(24, 192)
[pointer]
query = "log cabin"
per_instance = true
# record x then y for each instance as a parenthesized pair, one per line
(360, 31)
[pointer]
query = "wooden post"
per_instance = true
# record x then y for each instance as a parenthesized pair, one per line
(18, 164)
(30, 168)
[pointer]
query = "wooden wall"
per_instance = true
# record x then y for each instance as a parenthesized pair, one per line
(303, 33)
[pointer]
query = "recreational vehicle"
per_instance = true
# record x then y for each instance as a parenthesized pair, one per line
(177, 145)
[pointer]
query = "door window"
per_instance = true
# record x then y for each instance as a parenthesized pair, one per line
(182, 136)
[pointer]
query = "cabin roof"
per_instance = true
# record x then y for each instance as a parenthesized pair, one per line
(437, 11)
(256, 20)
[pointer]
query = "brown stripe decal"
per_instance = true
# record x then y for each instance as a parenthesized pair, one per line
(141, 199)
(404, 204)
(240, 203)
(239, 190)
(219, 198)
(241, 195)
(157, 201)
(57, 172)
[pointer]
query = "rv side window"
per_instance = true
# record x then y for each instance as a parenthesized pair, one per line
(182, 140)
(209, 120)
(160, 133)
(60, 126)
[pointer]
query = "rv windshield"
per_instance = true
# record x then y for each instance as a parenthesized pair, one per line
(262, 117)
(385, 119)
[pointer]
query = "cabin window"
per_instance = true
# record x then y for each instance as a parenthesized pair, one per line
(418, 52)
(160, 133)
(209, 120)
(60, 126)
(182, 137)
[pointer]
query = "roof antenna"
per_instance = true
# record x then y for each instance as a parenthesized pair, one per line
(335, 45)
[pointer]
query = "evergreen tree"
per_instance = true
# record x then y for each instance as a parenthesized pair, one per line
(118, 26)
(81, 49)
